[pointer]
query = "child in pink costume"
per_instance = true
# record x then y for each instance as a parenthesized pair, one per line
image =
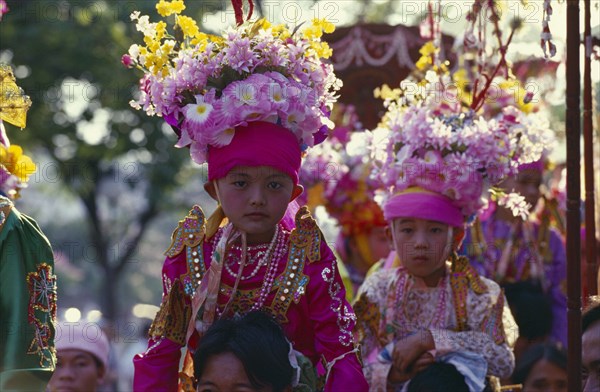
(248, 103)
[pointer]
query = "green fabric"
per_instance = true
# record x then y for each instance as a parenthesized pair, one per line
(23, 250)
(345, 275)
(308, 376)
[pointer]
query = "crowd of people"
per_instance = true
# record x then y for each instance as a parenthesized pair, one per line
(447, 273)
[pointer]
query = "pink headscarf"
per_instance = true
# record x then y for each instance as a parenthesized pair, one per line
(259, 143)
(419, 203)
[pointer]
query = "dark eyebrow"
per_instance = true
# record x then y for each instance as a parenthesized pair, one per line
(238, 174)
(277, 175)
(406, 221)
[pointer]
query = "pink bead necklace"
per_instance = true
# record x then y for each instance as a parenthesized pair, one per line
(269, 278)
(438, 319)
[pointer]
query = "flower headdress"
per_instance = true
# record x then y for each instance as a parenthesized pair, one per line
(442, 139)
(351, 199)
(205, 85)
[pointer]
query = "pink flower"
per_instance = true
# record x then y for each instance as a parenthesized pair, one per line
(127, 61)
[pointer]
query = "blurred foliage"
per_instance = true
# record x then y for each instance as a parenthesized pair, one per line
(66, 56)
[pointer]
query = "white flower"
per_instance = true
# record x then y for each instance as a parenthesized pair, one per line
(198, 113)
(134, 51)
(516, 203)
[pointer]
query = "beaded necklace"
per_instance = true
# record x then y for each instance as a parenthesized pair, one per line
(261, 262)
(277, 249)
(437, 321)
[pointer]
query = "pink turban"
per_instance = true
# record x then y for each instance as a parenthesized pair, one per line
(259, 143)
(418, 203)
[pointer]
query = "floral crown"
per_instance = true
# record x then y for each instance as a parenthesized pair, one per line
(447, 133)
(351, 199)
(206, 85)
(430, 140)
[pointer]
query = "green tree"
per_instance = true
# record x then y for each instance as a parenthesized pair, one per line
(67, 58)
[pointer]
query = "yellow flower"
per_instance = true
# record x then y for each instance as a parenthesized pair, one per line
(166, 8)
(385, 92)
(16, 163)
(321, 49)
(324, 25)
(188, 26)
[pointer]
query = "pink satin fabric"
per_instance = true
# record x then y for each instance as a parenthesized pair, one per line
(259, 143)
(423, 205)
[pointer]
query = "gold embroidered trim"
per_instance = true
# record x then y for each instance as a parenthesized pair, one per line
(368, 316)
(173, 317)
(42, 313)
(305, 243)
(462, 278)
(189, 232)
(492, 324)
(307, 235)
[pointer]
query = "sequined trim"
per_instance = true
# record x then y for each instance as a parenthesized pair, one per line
(492, 324)
(195, 269)
(190, 232)
(42, 313)
(345, 316)
(173, 317)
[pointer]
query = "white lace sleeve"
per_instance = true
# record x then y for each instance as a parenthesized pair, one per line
(492, 331)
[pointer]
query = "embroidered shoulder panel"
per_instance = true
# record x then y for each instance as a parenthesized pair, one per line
(173, 317)
(189, 232)
(291, 284)
(307, 235)
(42, 313)
(492, 324)
(463, 278)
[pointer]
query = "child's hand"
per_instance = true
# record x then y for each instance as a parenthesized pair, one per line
(397, 376)
(408, 350)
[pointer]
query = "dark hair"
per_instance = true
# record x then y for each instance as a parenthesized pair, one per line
(533, 355)
(257, 341)
(531, 308)
(438, 377)
(591, 314)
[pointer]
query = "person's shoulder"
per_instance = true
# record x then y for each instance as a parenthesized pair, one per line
(13, 221)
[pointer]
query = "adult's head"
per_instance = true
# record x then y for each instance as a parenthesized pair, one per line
(532, 311)
(82, 352)
(542, 367)
(249, 353)
(590, 342)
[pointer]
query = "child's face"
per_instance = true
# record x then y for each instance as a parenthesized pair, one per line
(422, 246)
(254, 199)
